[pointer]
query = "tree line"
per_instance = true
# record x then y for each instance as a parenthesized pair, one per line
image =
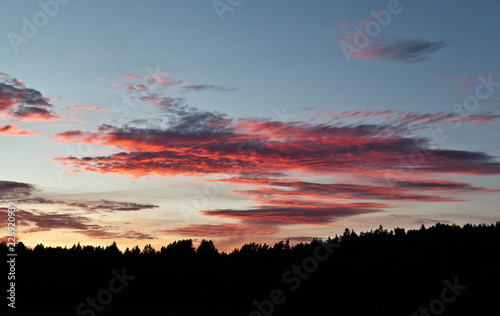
(378, 272)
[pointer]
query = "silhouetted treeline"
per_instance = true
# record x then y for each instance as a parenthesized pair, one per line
(379, 272)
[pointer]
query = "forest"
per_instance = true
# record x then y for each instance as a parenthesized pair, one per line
(439, 270)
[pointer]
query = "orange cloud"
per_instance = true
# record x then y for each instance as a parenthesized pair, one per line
(13, 130)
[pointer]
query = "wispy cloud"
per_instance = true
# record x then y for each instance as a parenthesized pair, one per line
(305, 215)
(205, 87)
(35, 221)
(89, 108)
(222, 230)
(403, 50)
(26, 193)
(13, 130)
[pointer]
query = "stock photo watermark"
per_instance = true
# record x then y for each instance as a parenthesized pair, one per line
(448, 295)
(223, 6)
(364, 34)
(48, 9)
(293, 278)
(104, 297)
(11, 257)
(121, 105)
(457, 115)
(212, 190)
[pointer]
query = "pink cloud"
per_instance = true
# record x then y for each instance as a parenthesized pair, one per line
(13, 130)
(129, 76)
(94, 108)
(74, 119)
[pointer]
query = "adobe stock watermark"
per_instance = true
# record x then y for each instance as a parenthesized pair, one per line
(372, 28)
(211, 190)
(223, 6)
(456, 115)
(202, 199)
(30, 28)
(293, 278)
(284, 116)
(438, 305)
(121, 106)
(104, 296)
(11, 244)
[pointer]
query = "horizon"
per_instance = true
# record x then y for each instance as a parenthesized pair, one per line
(196, 242)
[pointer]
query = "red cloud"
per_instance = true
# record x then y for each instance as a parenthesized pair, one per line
(265, 147)
(13, 130)
(196, 142)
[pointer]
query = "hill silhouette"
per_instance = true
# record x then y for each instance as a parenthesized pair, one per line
(440, 270)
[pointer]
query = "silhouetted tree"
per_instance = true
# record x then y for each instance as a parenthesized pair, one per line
(207, 248)
(148, 250)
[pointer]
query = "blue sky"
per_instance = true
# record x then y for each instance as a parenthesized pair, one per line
(262, 62)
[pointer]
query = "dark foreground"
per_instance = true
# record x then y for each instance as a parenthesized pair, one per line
(442, 270)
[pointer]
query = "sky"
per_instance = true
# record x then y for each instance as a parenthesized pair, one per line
(246, 121)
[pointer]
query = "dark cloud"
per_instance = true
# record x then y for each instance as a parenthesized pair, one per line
(24, 103)
(39, 200)
(111, 206)
(431, 185)
(12, 94)
(10, 190)
(169, 104)
(93, 206)
(404, 50)
(409, 121)
(205, 87)
(38, 221)
(34, 114)
(22, 193)
(309, 215)
(43, 221)
(176, 115)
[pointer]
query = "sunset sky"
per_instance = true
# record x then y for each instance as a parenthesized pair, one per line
(239, 121)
